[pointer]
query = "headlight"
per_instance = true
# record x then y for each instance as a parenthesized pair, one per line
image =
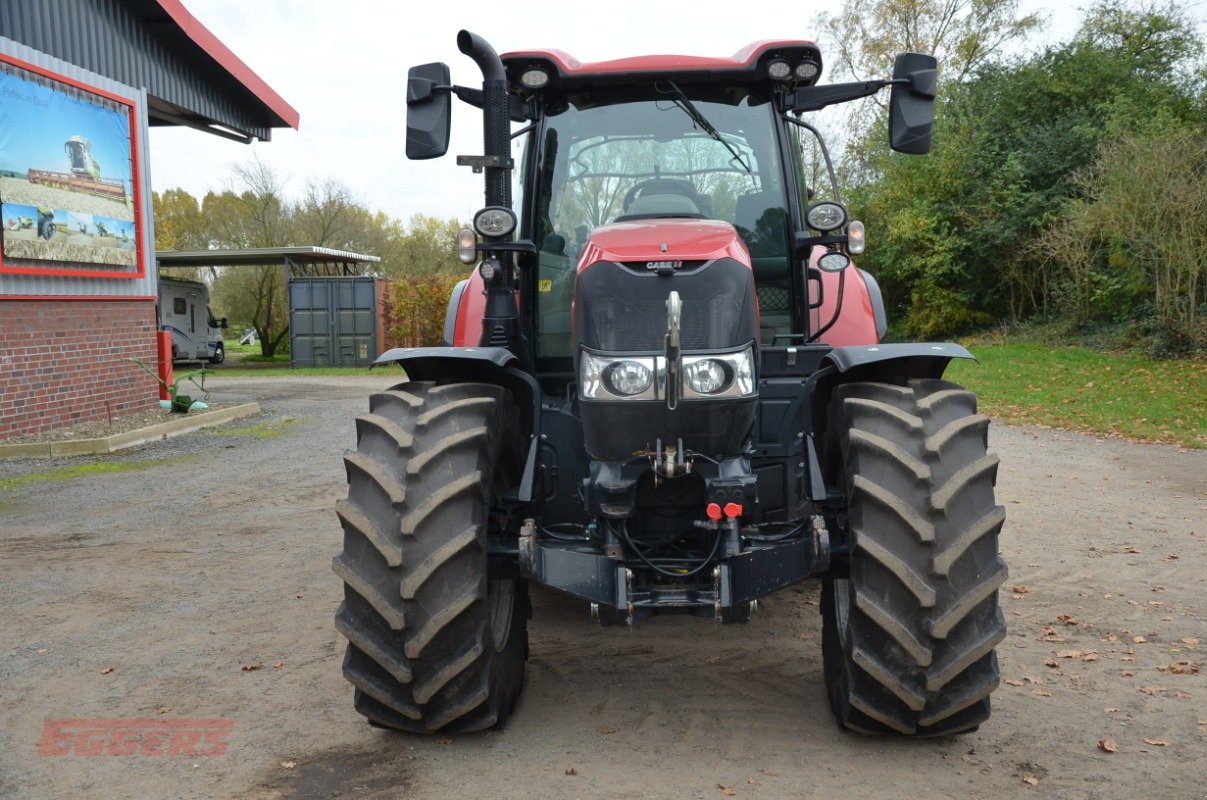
(705, 376)
(805, 70)
(779, 70)
(611, 378)
(534, 78)
(628, 378)
(833, 261)
(826, 217)
(494, 221)
(719, 375)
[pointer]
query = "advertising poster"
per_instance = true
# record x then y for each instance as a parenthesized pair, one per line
(67, 175)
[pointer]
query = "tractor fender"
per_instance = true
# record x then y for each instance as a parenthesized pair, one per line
(450, 316)
(493, 365)
(865, 363)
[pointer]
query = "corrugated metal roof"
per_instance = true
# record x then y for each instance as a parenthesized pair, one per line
(190, 77)
(258, 256)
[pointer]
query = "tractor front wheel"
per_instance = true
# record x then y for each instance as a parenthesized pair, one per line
(434, 644)
(908, 637)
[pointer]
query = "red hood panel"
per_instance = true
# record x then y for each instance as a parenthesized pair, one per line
(664, 240)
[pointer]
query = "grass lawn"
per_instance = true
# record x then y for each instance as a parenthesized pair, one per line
(1080, 389)
(285, 371)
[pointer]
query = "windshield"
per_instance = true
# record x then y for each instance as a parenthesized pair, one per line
(603, 162)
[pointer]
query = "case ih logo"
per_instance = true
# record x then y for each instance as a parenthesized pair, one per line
(135, 737)
(663, 266)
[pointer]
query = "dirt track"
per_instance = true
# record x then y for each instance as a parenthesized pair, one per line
(218, 555)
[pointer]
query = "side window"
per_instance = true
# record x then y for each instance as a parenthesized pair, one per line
(179, 307)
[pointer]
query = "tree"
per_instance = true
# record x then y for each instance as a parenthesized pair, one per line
(963, 34)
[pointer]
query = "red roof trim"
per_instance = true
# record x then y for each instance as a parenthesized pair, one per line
(569, 65)
(208, 42)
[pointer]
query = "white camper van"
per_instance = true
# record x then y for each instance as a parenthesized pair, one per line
(184, 309)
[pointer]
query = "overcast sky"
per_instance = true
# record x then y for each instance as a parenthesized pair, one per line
(343, 66)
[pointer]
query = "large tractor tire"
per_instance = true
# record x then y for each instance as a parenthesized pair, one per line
(434, 644)
(908, 638)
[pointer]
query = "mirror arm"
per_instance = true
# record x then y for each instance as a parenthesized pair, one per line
(814, 98)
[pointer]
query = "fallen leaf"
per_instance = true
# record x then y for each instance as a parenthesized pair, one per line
(41, 651)
(164, 709)
(1091, 656)
(1051, 662)
(1041, 692)
(571, 771)
(288, 764)
(728, 791)
(1129, 549)
(1139, 639)
(1069, 654)
(1013, 682)
(1184, 668)
(606, 729)
(713, 660)
(1020, 589)
(278, 665)
(1178, 694)
(1156, 742)
(1189, 641)
(1127, 673)
(1111, 710)
(253, 665)
(444, 740)
(106, 670)
(753, 781)
(1067, 619)
(298, 596)
(770, 773)
(1151, 690)
(1108, 745)
(1030, 779)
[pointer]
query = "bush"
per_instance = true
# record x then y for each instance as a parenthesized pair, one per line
(415, 310)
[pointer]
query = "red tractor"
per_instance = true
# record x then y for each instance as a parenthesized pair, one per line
(663, 392)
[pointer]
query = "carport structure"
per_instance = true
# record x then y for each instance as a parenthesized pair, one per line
(337, 314)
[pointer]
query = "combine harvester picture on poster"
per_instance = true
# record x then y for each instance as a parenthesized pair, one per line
(66, 174)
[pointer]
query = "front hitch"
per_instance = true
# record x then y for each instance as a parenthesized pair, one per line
(674, 360)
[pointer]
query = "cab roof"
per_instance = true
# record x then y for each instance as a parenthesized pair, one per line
(749, 63)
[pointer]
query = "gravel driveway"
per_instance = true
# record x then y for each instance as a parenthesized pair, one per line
(142, 594)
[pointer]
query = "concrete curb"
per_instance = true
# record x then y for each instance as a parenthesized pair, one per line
(163, 430)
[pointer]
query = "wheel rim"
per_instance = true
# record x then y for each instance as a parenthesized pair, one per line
(500, 597)
(842, 609)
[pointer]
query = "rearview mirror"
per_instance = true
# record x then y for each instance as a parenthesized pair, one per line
(429, 110)
(912, 104)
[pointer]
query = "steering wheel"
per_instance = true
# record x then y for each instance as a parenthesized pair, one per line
(662, 186)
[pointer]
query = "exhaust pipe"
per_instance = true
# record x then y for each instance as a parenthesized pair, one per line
(477, 48)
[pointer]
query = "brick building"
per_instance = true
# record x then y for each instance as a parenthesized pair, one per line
(81, 82)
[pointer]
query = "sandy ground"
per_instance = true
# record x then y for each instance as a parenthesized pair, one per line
(217, 555)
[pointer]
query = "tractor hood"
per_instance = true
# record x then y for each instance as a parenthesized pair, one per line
(661, 240)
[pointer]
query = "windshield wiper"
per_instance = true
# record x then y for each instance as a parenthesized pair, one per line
(702, 122)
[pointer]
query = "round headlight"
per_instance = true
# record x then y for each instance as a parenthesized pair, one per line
(706, 376)
(806, 70)
(779, 70)
(467, 246)
(628, 377)
(494, 221)
(856, 241)
(534, 78)
(833, 262)
(826, 216)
